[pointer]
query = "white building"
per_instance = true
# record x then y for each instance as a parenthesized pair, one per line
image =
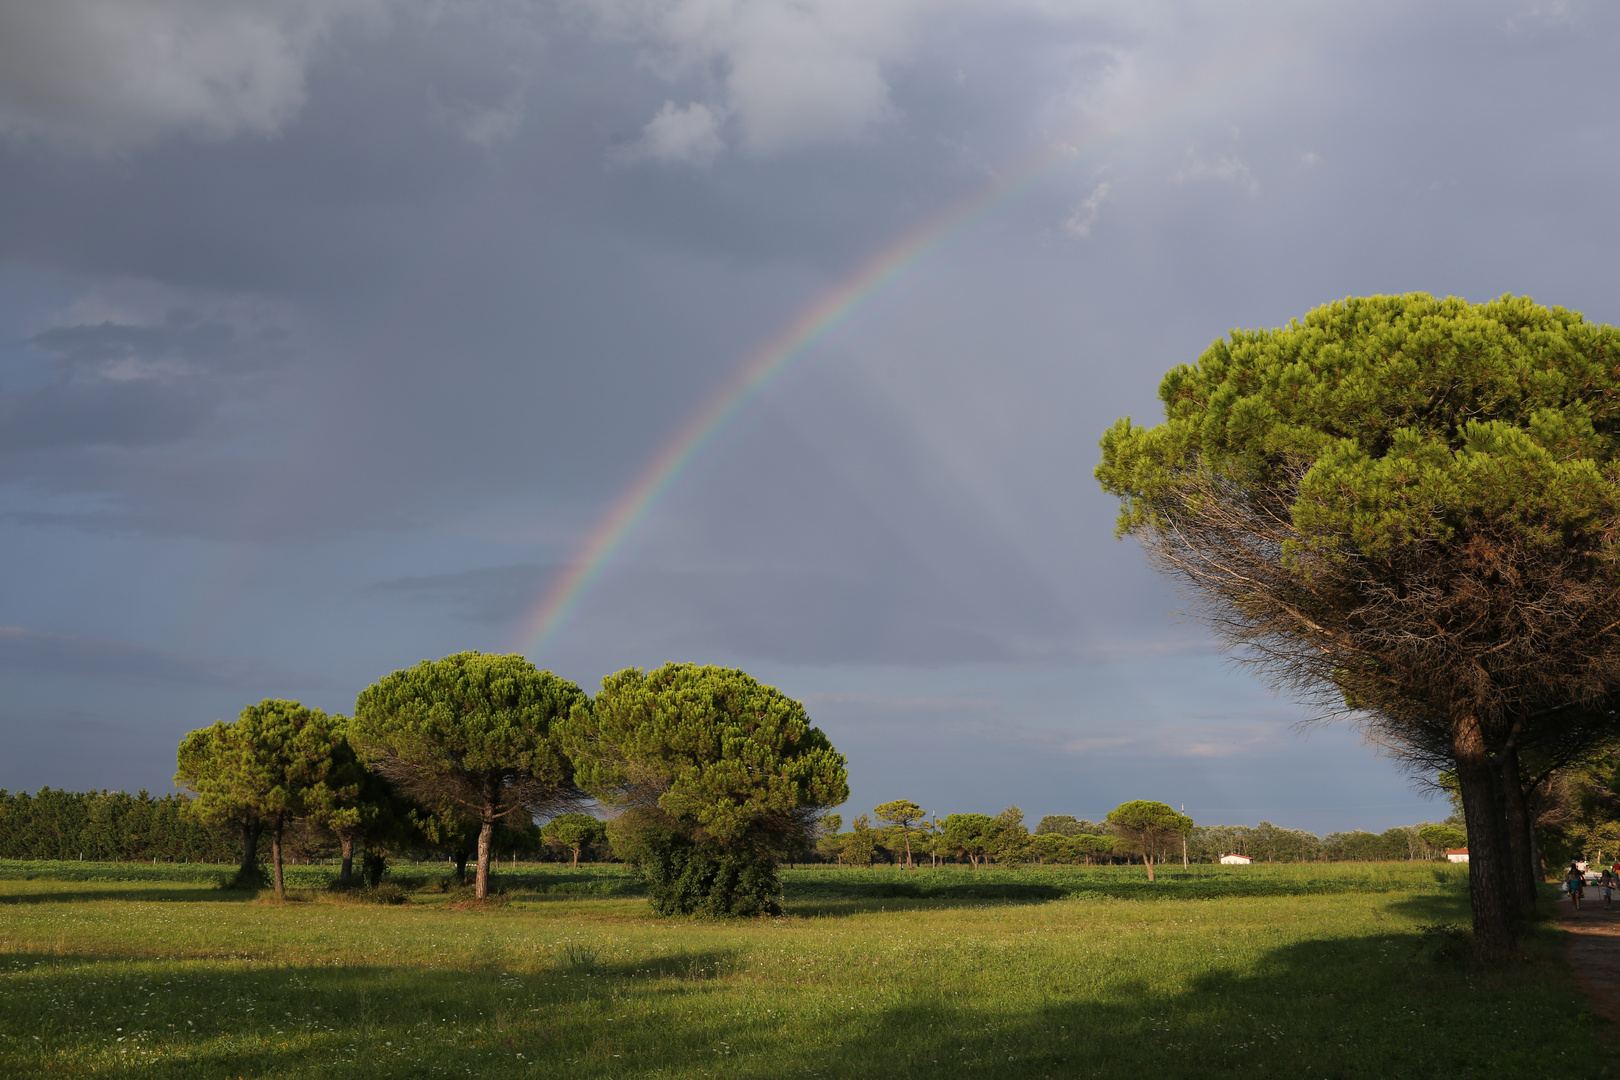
(1244, 860)
(1456, 854)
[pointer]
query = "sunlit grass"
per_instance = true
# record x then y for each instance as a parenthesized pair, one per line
(179, 979)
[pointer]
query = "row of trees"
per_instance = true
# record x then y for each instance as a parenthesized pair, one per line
(1140, 830)
(107, 826)
(712, 776)
(978, 839)
(114, 826)
(1403, 510)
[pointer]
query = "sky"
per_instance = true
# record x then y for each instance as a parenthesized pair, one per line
(773, 334)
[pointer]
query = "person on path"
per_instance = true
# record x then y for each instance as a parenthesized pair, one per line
(1606, 888)
(1575, 884)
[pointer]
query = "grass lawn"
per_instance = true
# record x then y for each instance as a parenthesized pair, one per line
(1316, 971)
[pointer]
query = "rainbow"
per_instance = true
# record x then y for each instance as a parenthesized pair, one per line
(797, 338)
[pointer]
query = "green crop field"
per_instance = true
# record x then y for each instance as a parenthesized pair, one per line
(1312, 971)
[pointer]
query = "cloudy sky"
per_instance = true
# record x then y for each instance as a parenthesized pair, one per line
(332, 332)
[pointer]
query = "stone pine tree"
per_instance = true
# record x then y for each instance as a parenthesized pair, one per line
(1152, 826)
(472, 736)
(903, 815)
(969, 836)
(1402, 509)
(716, 777)
(573, 833)
(261, 767)
(352, 803)
(860, 846)
(206, 770)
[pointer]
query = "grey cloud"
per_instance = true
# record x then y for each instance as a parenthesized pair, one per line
(106, 76)
(495, 318)
(100, 414)
(125, 385)
(98, 658)
(184, 343)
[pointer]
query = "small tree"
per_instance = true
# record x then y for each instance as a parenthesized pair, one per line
(1150, 825)
(717, 776)
(573, 832)
(829, 845)
(1440, 837)
(1089, 845)
(1052, 847)
(969, 836)
(904, 816)
(472, 736)
(860, 846)
(1011, 843)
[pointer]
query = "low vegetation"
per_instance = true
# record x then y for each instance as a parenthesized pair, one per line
(1315, 970)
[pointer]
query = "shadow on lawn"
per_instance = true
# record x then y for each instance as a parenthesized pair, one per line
(175, 894)
(1352, 1008)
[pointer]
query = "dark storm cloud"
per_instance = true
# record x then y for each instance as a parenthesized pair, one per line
(119, 661)
(114, 384)
(335, 294)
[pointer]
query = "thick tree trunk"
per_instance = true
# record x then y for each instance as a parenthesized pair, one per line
(1521, 874)
(346, 874)
(251, 831)
(1487, 853)
(486, 836)
(576, 859)
(461, 865)
(1147, 860)
(275, 857)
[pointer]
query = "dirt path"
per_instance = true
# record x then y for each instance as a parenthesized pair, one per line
(1594, 950)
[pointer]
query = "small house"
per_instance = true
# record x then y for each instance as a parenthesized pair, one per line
(1242, 860)
(1456, 854)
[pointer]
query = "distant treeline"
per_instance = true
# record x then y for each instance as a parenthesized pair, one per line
(112, 826)
(115, 826)
(109, 826)
(1061, 839)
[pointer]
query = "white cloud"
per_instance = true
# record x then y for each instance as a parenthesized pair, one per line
(1084, 216)
(684, 135)
(1309, 160)
(794, 73)
(106, 75)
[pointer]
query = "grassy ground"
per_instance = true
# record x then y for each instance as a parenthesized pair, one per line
(1306, 972)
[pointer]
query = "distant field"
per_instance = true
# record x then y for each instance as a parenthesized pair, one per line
(1300, 971)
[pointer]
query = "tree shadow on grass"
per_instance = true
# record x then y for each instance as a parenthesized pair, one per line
(1350, 1008)
(829, 908)
(173, 894)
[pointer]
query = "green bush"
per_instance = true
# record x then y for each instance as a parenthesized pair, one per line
(685, 878)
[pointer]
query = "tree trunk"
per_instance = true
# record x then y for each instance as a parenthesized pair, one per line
(1147, 860)
(251, 831)
(461, 865)
(275, 857)
(486, 836)
(1536, 868)
(576, 859)
(1521, 874)
(346, 874)
(908, 850)
(1487, 853)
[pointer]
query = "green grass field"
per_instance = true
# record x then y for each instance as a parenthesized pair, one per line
(1315, 971)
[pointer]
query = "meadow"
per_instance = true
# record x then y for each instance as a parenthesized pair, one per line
(1315, 970)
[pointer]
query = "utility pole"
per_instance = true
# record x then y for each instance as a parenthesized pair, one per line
(1184, 840)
